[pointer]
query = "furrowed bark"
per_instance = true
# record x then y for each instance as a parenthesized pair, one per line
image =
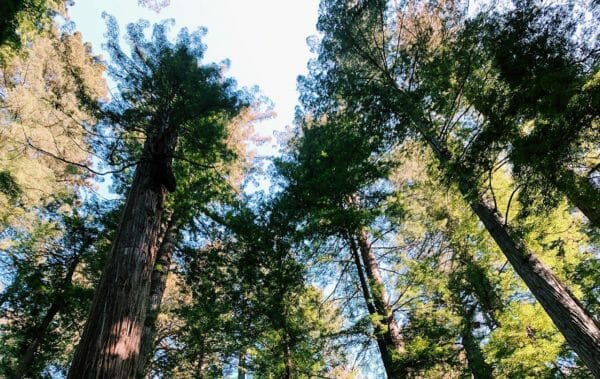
(109, 346)
(158, 285)
(579, 328)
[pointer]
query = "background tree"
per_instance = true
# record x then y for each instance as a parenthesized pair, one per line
(53, 269)
(22, 21)
(44, 146)
(396, 68)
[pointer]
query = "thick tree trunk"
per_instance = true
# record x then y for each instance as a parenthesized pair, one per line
(110, 343)
(387, 334)
(579, 328)
(39, 332)
(581, 194)
(158, 285)
(364, 286)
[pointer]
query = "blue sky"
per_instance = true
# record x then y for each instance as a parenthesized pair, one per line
(265, 40)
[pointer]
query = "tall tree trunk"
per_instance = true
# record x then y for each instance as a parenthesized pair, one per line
(581, 194)
(109, 346)
(475, 359)
(200, 365)
(241, 366)
(288, 360)
(158, 285)
(378, 292)
(39, 332)
(387, 334)
(579, 328)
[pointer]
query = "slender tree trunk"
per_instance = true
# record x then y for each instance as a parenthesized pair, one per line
(200, 365)
(581, 194)
(241, 366)
(475, 359)
(109, 346)
(288, 360)
(378, 292)
(387, 333)
(39, 332)
(158, 285)
(579, 328)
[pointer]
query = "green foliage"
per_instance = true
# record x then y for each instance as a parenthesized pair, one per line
(22, 20)
(328, 164)
(52, 272)
(43, 146)
(8, 185)
(526, 344)
(164, 90)
(507, 100)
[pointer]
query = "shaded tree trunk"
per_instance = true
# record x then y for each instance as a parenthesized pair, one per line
(158, 285)
(288, 360)
(378, 292)
(475, 359)
(200, 365)
(579, 328)
(109, 346)
(39, 332)
(575, 323)
(581, 193)
(387, 334)
(241, 366)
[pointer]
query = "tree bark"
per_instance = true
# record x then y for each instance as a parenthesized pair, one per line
(39, 332)
(109, 346)
(158, 285)
(387, 334)
(579, 328)
(378, 292)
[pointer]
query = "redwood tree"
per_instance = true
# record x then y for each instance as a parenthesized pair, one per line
(167, 100)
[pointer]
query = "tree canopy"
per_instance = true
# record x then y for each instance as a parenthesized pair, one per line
(433, 211)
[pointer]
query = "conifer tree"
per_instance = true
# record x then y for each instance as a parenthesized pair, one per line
(375, 65)
(170, 100)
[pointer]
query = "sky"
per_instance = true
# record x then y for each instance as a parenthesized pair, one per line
(265, 40)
